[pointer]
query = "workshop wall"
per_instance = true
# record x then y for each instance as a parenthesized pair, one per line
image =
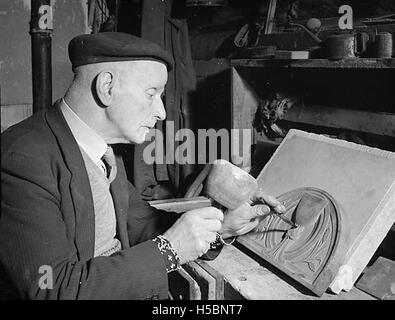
(70, 19)
(213, 31)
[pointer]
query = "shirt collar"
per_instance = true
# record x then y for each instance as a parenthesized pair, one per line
(87, 139)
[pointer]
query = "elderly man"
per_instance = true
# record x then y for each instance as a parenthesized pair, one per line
(72, 226)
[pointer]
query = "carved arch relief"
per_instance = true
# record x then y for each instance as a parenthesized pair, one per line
(304, 251)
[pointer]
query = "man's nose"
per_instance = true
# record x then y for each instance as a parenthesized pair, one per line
(159, 109)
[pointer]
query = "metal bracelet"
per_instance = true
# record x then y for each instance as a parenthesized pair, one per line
(226, 243)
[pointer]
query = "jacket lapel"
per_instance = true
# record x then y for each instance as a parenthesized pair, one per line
(79, 184)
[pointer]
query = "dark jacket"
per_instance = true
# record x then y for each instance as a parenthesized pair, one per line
(47, 219)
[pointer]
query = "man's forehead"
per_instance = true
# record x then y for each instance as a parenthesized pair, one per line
(146, 64)
(152, 72)
(144, 67)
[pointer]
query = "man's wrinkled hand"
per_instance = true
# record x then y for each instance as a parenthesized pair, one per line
(192, 234)
(246, 217)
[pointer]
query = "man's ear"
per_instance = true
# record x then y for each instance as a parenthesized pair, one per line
(104, 87)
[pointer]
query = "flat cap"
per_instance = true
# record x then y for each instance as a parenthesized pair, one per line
(115, 46)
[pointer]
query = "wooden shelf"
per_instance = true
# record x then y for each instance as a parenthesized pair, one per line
(369, 121)
(357, 63)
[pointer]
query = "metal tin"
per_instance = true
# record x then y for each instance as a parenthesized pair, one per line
(383, 45)
(341, 46)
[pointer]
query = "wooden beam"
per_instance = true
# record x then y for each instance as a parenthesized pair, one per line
(360, 63)
(270, 16)
(379, 123)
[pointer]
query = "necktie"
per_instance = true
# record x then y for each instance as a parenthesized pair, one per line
(111, 166)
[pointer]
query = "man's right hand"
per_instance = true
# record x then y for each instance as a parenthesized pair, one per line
(193, 232)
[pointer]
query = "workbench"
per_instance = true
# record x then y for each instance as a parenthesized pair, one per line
(246, 278)
(238, 274)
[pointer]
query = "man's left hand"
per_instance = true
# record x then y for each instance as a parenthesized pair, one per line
(246, 217)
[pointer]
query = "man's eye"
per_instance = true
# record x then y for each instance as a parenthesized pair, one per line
(151, 93)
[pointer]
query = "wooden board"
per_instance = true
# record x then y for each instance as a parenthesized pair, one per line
(359, 178)
(360, 63)
(379, 279)
(182, 286)
(219, 278)
(380, 123)
(291, 55)
(206, 281)
(244, 103)
(253, 281)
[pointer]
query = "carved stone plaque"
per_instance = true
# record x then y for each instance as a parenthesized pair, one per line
(304, 250)
(342, 197)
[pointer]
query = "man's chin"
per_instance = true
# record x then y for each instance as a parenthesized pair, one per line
(136, 140)
(132, 139)
(120, 141)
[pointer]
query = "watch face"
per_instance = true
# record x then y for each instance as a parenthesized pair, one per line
(217, 243)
